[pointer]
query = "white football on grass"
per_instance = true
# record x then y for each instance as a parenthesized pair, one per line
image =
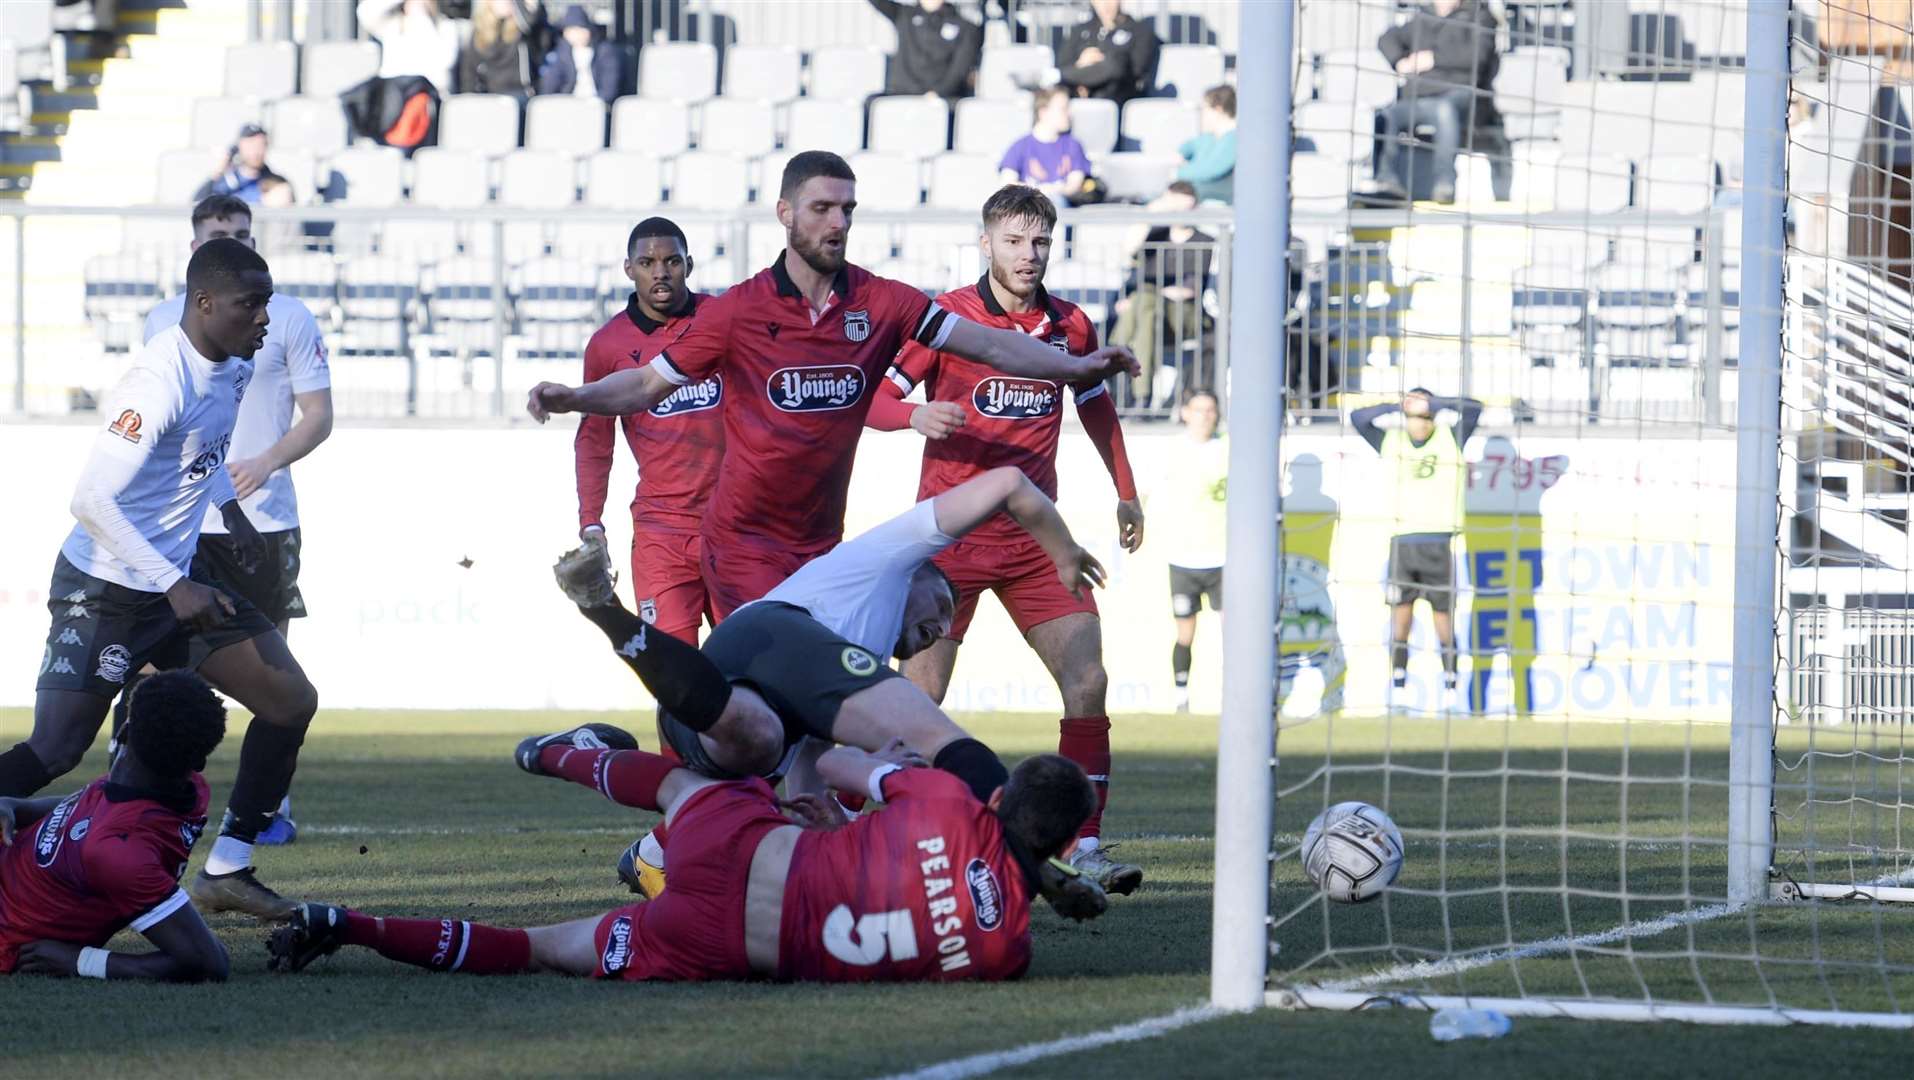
(1352, 852)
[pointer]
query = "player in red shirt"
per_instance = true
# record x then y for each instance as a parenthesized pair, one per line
(75, 871)
(678, 443)
(937, 887)
(977, 419)
(800, 347)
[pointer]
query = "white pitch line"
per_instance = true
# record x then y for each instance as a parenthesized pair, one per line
(454, 830)
(983, 1064)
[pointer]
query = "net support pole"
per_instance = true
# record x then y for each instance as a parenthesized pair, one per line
(1758, 454)
(1239, 945)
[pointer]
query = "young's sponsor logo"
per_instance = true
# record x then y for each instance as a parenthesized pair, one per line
(114, 662)
(46, 846)
(690, 398)
(127, 426)
(986, 897)
(815, 389)
(617, 945)
(1004, 398)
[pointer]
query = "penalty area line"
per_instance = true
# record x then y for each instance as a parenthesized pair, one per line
(983, 1064)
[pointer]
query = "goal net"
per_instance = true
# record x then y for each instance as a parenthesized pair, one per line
(1646, 733)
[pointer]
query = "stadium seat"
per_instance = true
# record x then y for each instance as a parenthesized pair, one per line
(1595, 183)
(1136, 176)
(485, 124)
(819, 124)
(216, 121)
(771, 73)
(986, 126)
(1092, 286)
(1003, 67)
(10, 113)
(181, 172)
(708, 181)
(575, 125)
(1532, 79)
(120, 289)
(678, 71)
(962, 181)
(377, 296)
(1159, 125)
(623, 180)
(164, 237)
(847, 74)
(914, 125)
(332, 66)
(300, 167)
(1676, 184)
(1320, 182)
(460, 296)
(1331, 127)
(886, 181)
(367, 176)
(1357, 75)
(263, 69)
(539, 179)
(1188, 71)
(1094, 122)
(737, 126)
(450, 179)
(658, 128)
(310, 123)
(28, 27)
(559, 302)
(311, 278)
(769, 173)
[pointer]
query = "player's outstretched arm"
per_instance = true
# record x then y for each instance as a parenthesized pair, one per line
(188, 952)
(1008, 490)
(18, 814)
(620, 393)
(846, 768)
(1016, 353)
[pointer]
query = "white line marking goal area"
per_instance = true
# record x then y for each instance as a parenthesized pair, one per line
(987, 1063)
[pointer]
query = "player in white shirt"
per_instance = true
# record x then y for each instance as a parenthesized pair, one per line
(289, 372)
(127, 587)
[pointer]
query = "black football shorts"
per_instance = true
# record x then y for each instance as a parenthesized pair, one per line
(1421, 568)
(272, 586)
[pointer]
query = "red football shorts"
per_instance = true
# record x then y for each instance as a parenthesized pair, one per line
(739, 572)
(1021, 575)
(695, 930)
(668, 579)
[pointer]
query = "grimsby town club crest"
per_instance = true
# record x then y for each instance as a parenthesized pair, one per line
(857, 325)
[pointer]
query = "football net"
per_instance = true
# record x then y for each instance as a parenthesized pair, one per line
(1665, 770)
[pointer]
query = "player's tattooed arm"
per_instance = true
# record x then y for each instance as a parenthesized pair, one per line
(188, 952)
(620, 393)
(17, 814)
(1016, 353)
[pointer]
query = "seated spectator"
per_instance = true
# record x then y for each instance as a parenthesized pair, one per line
(1163, 308)
(1049, 159)
(508, 37)
(937, 49)
(1109, 55)
(242, 171)
(582, 63)
(414, 39)
(1209, 160)
(1446, 55)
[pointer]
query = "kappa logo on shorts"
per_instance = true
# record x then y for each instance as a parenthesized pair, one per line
(68, 636)
(189, 833)
(56, 665)
(1015, 399)
(648, 610)
(815, 389)
(46, 846)
(857, 325)
(114, 662)
(127, 426)
(690, 398)
(986, 898)
(858, 662)
(631, 648)
(77, 598)
(618, 945)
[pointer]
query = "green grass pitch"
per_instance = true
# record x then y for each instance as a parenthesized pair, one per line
(424, 814)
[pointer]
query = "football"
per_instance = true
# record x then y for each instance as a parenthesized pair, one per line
(1352, 852)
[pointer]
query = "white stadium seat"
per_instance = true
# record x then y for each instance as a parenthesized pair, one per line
(450, 179)
(482, 123)
(1596, 183)
(1677, 184)
(659, 128)
(914, 125)
(297, 164)
(1137, 176)
(312, 123)
(847, 74)
(538, 179)
(962, 181)
(623, 180)
(706, 181)
(1094, 122)
(1189, 70)
(769, 174)
(1003, 67)
(181, 172)
(886, 181)
(818, 124)
(773, 73)
(678, 71)
(987, 126)
(367, 176)
(1159, 125)
(332, 66)
(1330, 125)
(565, 122)
(216, 121)
(263, 69)
(733, 126)
(1358, 75)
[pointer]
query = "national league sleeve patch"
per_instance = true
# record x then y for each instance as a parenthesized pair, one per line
(127, 426)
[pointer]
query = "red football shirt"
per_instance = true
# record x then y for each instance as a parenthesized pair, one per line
(105, 858)
(678, 443)
(1008, 420)
(798, 384)
(923, 890)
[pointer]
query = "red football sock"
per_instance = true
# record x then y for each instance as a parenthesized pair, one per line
(626, 777)
(443, 944)
(851, 800)
(1086, 741)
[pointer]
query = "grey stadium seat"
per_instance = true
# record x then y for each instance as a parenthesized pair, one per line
(216, 121)
(181, 172)
(678, 71)
(1159, 125)
(565, 122)
(483, 123)
(847, 74)
(817, 124)
(1094, 122)
(986, 126)
(541, 179)
(298, 165)
(730, 126)
(332, 66)
(919, 126)
(317, 124)
(659, 128)
(449, 178)
(707, 181)
(1189, 70)
(263, 69)
(1358, 75)
(623, 180)
(1004, 66)
(367, 176)
(962, 181)
(886, 181)
(772, 73)
(1137, 176)
(769, 174)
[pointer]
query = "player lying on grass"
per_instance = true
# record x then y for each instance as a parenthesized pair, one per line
(110, 855)
(937, 887)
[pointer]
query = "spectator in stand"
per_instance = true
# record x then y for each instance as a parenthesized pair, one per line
(1209, 160)
(242, 170)
(414, 39)
(1446, 55)
(937, 49)
(508, 37)
(1163, 308)
(1109, 55)
(1049, 159)
(583, 63)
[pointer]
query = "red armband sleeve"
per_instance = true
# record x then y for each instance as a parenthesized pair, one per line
(889, 410)
(592, 450)
(1099, 415)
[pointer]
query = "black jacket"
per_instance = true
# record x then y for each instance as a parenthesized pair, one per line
(373, 106)
(1128, 67)
(937, 52)
(1463, 42)
(506, 67)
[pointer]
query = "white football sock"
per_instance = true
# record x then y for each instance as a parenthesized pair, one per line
(230, 855)
(285, 807)
(1086, 843)
(651, 851)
